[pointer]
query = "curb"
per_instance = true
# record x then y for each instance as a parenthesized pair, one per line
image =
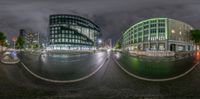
(64, 81)
(155, 80)
(10, 63)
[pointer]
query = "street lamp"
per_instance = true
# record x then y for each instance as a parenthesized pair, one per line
(99, 41)
(14, 39)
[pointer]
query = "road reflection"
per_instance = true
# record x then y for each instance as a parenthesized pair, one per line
(156, 68)
(63, 66)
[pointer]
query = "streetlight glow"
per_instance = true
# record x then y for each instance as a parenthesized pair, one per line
(100, 41)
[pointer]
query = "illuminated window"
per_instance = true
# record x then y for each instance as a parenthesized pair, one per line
(161, 24)
(146, 26)
(161, 30)
(153, 25)
(146, 32)
(153, 31)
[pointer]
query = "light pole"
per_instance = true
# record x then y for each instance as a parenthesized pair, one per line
(14, 39)
(99, 42)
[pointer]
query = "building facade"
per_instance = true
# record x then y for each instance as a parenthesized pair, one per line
(71, 32)
(158, 34)
(31, 39)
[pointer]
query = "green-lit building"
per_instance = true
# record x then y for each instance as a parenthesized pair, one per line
(158, 34)
(71, 32)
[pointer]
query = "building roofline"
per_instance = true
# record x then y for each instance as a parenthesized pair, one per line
(79, 17)
(153, 19)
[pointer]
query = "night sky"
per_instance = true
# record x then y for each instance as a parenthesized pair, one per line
(113, 16)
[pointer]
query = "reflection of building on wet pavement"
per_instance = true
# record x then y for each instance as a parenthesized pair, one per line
(156, 67)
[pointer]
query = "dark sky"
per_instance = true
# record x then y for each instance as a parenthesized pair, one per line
(113, 16)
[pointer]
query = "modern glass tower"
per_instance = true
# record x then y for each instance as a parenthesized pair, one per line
(71, 32)
(158, 34)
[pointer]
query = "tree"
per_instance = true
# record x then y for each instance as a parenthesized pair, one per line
(118, 44)
(20, 42)
(2, 40)
(195, 34)
(34, 46)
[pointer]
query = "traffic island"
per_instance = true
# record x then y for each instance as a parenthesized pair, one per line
(10, 58)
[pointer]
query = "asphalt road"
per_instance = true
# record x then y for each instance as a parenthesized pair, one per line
(156, 68)
(110, 82)
(63, 67)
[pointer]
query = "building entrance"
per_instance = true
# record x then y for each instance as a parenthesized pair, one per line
(173, 47)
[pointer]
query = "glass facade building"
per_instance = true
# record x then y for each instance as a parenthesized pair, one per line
(71, 32)
(158, 34)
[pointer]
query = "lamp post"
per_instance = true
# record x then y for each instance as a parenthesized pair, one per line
(14, 39)
(99, 42)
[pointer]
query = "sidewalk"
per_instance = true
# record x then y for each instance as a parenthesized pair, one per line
(153, 53)
(156, 58)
